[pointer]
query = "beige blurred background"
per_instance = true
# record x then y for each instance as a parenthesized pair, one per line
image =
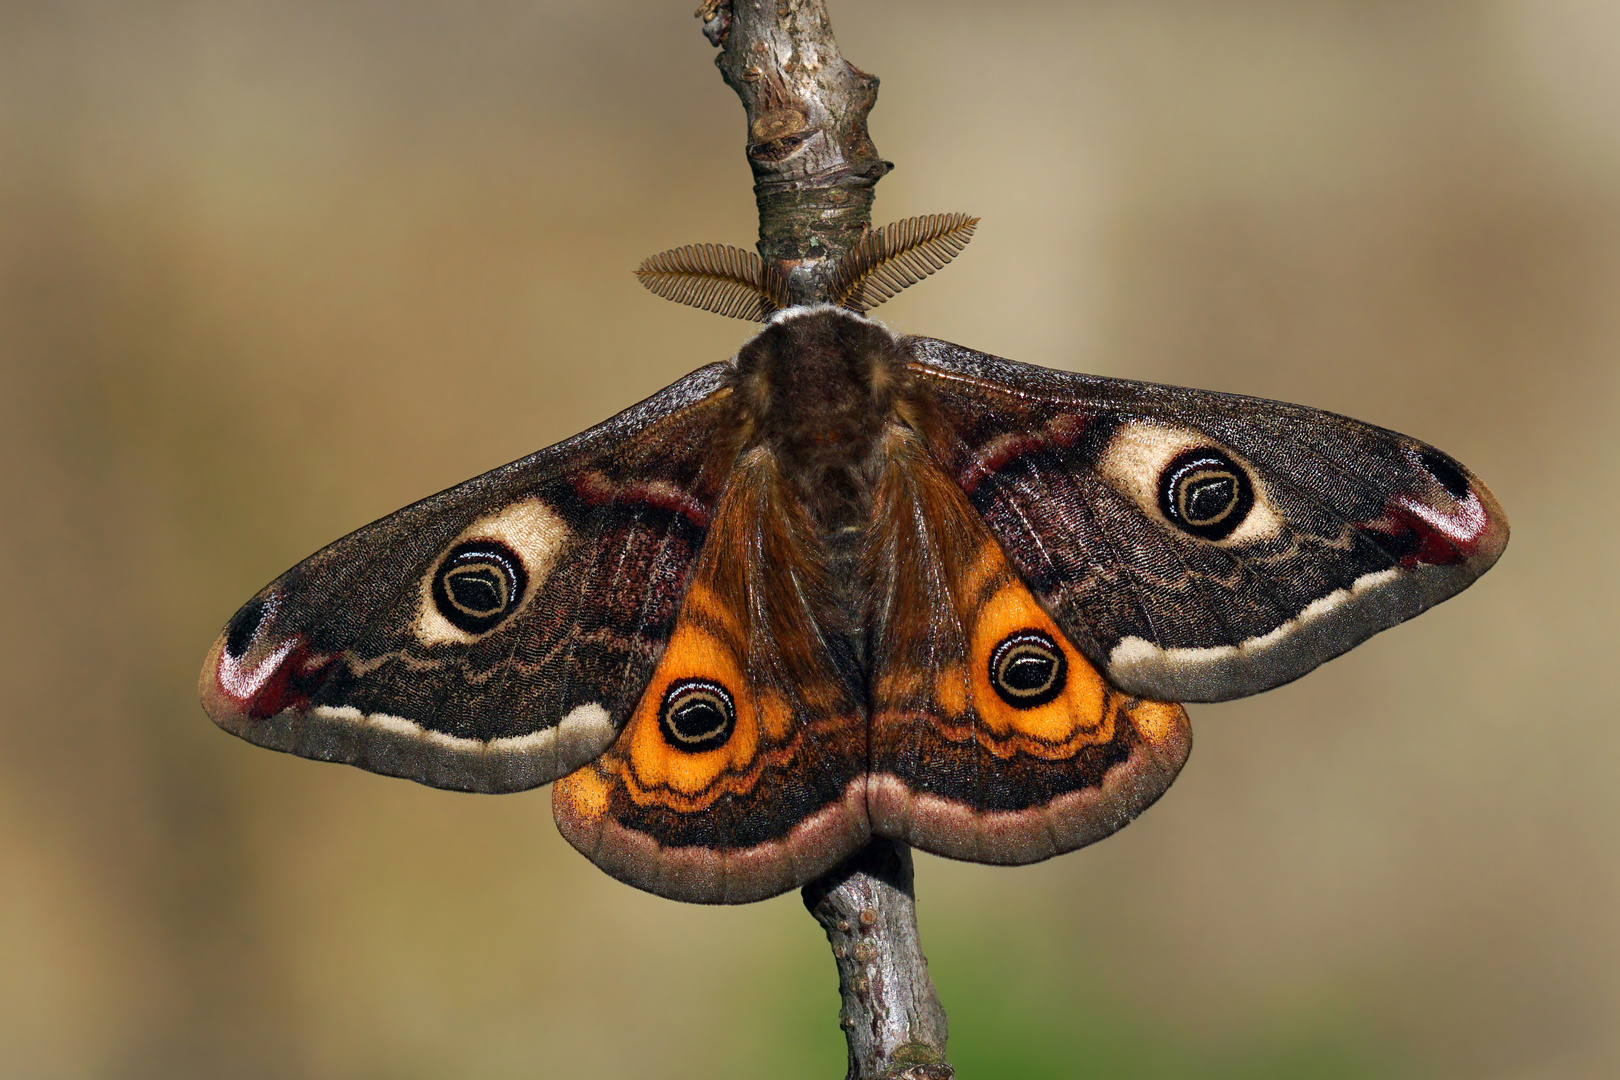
(269, 270)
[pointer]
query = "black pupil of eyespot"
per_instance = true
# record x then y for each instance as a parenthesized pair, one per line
(479, 590)
(1208, 497)
(697, 715)
(479, 584)
(1205, 493)
(1027, 669)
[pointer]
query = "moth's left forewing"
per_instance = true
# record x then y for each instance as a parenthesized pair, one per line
(494, 636)
(1201, 546)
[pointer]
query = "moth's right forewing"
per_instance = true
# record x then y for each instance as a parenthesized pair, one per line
(499, 634)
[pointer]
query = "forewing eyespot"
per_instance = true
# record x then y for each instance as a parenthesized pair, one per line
(478, 585)
(1028, 669)
(697, 715)
(1205, 493)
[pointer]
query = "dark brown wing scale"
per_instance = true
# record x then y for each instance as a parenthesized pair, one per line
(850, 584)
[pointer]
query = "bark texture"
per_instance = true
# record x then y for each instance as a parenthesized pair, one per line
(891, 1015)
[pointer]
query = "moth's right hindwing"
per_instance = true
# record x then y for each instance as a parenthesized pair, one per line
(742, 772)
(499, 634)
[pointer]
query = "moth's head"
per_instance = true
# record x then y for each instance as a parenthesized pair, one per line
(738, 283)
(786, 315)
(793, 336)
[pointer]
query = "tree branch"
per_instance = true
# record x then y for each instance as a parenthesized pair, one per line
(891, 1017)
(814, 165)
(815, 170)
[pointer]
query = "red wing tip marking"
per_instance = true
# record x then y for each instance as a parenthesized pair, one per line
(240, 689)
(1443, 537)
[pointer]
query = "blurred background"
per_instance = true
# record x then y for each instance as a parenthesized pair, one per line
(269, 270)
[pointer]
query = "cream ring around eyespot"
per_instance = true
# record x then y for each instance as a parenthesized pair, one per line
(534, 533)
(1134, 461)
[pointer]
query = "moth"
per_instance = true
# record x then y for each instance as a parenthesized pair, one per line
(848, 584)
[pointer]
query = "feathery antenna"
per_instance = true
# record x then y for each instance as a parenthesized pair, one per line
(738, 283)
(715, 277)
(886, 260)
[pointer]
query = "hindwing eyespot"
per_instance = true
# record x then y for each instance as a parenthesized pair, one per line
(697, 715)
(478, 585)
(1027, 669)
(1205, 493)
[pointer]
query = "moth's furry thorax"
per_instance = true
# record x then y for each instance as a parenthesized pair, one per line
(816, 388)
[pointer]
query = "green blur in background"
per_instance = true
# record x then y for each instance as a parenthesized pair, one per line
(271, 270)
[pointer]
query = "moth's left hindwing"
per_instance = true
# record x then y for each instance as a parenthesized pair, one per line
(992, 738)
(499, 634)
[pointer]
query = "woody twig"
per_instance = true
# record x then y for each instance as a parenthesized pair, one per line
(815, 170)
(814, 165)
